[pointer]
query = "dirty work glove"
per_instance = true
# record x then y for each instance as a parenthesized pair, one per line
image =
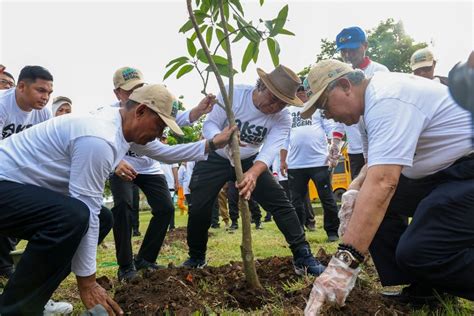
(345, 212)
(332, 286)
(334, 152)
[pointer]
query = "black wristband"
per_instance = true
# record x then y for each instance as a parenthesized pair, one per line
(357, 254)
(212, 146)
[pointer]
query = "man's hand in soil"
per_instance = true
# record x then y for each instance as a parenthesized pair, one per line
(125, 171)
(93, 294)
(345, 212)
(332, 286)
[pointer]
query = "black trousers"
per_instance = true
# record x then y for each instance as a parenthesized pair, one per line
(172, 193)
(436, 248)
(54, 225)
(7, 244)
(208, 178)
(308, 208)
(356, 161)
(298, 180)
(158, 196)
(233, 198)
(135, 208)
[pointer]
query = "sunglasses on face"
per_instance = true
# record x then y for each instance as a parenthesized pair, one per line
(7, 83)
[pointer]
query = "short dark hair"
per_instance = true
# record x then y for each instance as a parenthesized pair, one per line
(6, 73)
(260, 85)
(31, 73)
(130, 104)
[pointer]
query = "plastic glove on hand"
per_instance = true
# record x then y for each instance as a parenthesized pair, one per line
(332, 286)
(345, 212)
(334, 153)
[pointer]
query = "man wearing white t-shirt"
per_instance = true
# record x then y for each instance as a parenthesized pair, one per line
(51, 185)
(148, 175)
(264, 123)
(352, 43)
(305, 156)
(420, 164)
(171, 173)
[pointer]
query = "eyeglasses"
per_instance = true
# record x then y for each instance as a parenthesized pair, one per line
(7, 83)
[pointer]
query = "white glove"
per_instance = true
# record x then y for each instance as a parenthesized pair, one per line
(332, 286)
(345, 212)
(334, 152)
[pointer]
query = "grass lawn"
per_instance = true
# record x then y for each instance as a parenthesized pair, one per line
(222, 248)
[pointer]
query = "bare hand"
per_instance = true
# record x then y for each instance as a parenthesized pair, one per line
(332, 286)
(224, 137)
(204, 107)
(283, 168)
(94, 294)
(247, 185)
(125, 171)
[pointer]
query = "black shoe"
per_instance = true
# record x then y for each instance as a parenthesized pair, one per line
(333, 237)
(305, 263)
(136, 233)
(194, 263)
(234, 226)
(311, 227)
(258, 226)
(127, 274)
(215, 225)
(7, 273)
(142, 264)
(267, 219)
(418, 296)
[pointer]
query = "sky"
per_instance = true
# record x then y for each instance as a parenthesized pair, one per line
(82, 43)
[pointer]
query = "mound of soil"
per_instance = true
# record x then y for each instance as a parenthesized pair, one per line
(179, 235)
(212, 289)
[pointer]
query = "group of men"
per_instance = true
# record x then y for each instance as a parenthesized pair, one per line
(413, 155)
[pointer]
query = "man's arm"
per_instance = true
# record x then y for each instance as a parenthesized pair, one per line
(174, 169)
(283, 161)
(371, 205)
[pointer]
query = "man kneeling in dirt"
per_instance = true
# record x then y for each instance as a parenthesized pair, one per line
(51, 183)
(420, 165)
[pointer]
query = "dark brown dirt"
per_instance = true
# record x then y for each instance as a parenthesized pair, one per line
(214, 289)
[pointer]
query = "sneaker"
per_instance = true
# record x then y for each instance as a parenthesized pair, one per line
(136, 233)
(142, 264)
(311, 227)
(215, 225)
(57, 308)
(127, 274)
(258, 226)
(234, 226)
(305, 263)
(193, 263)
(267, 219)
(333, 238)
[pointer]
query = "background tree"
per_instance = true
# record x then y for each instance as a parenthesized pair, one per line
(389, 45)
(224, 20)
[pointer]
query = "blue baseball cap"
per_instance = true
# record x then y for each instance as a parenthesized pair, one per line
(351, 37)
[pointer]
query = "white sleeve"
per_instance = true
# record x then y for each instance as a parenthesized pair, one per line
(171, 154)
(393, 134)
(363, 137)
(87, 179)
(275, 140)
(330, 127)
(215, 121)
(181, 175)
(2, 121)
(182, 119)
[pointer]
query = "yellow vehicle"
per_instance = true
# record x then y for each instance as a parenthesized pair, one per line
(341, 178)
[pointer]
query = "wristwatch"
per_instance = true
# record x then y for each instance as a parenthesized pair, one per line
(347, 257)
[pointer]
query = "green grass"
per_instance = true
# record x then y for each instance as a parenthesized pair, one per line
(222, 248)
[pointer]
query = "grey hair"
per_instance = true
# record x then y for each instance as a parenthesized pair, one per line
(355, 77)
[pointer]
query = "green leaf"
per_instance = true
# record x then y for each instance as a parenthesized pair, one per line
(226, 10)
(201, 29)
(248, 30)
(206, 4)
(173, 69)
(230, 28)
(261, 2)
(238, 37)
(220, 36)
(269, 25)
(274, 49)
(191, 47)
(186, 27)
(223, 70)
(280, 21)
(177, 60)
(209, 33)
(286, 32)
(200, 16)
(184, 70)
(255, 52)
(220, 60)
(248, 55)
(201, 55)
(238, 6)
